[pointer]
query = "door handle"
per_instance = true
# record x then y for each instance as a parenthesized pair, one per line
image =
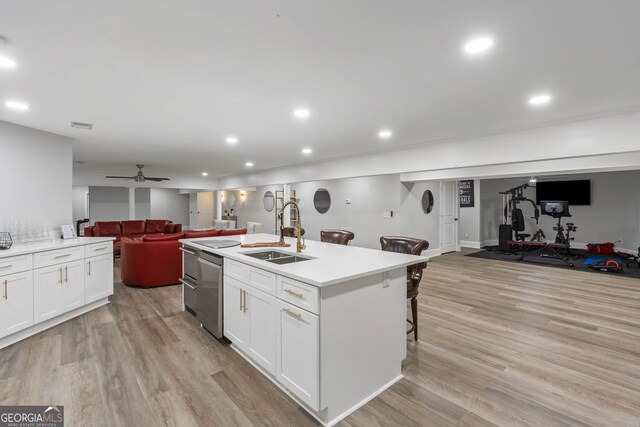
(296, 315)
(66, 274)
(6, 294)
(245, 300)
(455, 219)
(60, 270)
(240, 299)
(187, 251)
(187, 284)
(89, 266)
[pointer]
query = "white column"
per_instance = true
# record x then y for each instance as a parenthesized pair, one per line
(132, 203)
(218, 195)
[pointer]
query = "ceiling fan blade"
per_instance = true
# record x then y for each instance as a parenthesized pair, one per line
(156, 179)
(123, 177)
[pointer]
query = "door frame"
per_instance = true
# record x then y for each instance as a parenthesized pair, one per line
(456, 214)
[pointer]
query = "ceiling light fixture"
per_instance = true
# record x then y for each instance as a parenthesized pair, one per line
(478, 45)
(17, 105)
(205, 173)
(539, 99)
(533, 180)
(7, 62)
(301, 113)
(232, 139)
(307, 151)
(80, 125)
(385, 133)
(249, 164)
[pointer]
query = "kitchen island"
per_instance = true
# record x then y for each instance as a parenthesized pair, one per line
(328, 327)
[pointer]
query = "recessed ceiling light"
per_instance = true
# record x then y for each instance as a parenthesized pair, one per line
(232, 139)
(307, 151)
(533, 180)
(205, 173)
(539, 99)
(478, 45)
(17, 105)
(249, 164)
(301, 113)
(385, 133)
(7, 62)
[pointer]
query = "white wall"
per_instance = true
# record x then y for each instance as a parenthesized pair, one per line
(108, 203)
(79, 203)
(614, 213)
(168, 203)
(142, 203)
(469, 220)
(369, 196)
(35, 176)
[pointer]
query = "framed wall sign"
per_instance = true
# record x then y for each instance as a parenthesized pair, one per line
(467, 197)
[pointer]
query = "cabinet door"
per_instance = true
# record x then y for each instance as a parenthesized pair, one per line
(98, 279)
(73, 286)
(16, 305)
(261, 346)
(297, 353)
(236, 325)
(47, 291)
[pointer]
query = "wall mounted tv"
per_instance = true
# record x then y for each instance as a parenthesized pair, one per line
(575, 192)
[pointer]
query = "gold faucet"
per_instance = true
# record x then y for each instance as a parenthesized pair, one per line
(297, 227)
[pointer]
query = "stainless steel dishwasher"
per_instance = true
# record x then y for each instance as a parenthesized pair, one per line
(209, 310)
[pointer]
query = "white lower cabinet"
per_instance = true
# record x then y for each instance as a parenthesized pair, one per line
(16, 305)
(58, 289)
(250, 322)
(98, 279)
(297, 353)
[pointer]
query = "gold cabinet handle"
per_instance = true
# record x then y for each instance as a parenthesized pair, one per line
(60, 270)
(66, 274)
(63, 256)
(294, 293)
(6, 293)
(101, 249)
(4, 267)
(240, 299)
(89, 268)
(296, 315)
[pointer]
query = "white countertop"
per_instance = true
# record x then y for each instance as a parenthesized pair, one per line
(51, 245)
(331, 264)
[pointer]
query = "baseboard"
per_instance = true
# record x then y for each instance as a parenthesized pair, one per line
(470, 244)
(488, 243)
(430, 253)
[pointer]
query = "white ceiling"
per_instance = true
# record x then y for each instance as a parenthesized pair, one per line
(164, 82)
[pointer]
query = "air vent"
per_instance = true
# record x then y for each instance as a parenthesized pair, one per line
(80, 125)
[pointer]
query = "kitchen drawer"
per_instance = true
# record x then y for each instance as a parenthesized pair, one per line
(256, 277)
(45, 259)
(299, 294)
(16, 264)
(98, 249)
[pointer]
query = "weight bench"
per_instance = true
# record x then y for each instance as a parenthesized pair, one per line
(530, 248)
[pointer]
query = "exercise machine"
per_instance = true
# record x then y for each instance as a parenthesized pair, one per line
(513, 221)
(559, 209)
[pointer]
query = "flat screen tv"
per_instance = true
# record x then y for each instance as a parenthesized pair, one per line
(575, 192)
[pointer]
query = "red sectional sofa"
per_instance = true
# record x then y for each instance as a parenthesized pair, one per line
(155, 260)
(134, 228)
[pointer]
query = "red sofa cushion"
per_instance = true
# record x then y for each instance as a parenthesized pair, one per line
(193, 234)
(107, 228)
(233, 232)
(150, 263)
(157, 226)
(162, 237)
(132, 227)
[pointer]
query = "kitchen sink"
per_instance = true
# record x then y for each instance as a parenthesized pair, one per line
(277, 257)
(288, 259)
(268, 255)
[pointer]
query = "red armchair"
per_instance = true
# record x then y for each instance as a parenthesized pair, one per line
(134, 228)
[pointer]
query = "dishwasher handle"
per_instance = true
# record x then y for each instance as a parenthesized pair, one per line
(187, 284)
(183, 249)
(209, 263)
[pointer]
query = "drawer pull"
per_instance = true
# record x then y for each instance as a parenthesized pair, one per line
(6, 266)
(6, 294)
(187, 251)
(187, 284)
(102, 248)
(294, 293)
(63, 256)
(296, 315)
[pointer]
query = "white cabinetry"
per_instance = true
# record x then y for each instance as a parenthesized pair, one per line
(236, 327)
(16, 305)
(98, 279)
(58, 289)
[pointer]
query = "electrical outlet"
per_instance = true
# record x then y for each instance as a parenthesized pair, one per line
(348, 201)
(466, 235)
(387, 214)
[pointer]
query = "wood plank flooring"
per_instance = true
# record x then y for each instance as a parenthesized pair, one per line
(500, 344)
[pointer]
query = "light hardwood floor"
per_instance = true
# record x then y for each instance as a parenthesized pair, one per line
(500, 344)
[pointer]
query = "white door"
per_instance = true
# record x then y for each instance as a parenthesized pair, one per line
(448, 216)
(16, 304)
(193, 210)
(261, 346)
(73, 286)
(98, 280)
(236, 325)
(297, 353)
(205, 209)
(47, 290)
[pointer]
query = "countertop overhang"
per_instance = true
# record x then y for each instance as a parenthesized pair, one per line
(331, 263)
(31, 248)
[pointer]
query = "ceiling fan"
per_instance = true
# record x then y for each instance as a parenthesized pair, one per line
(140, 177)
